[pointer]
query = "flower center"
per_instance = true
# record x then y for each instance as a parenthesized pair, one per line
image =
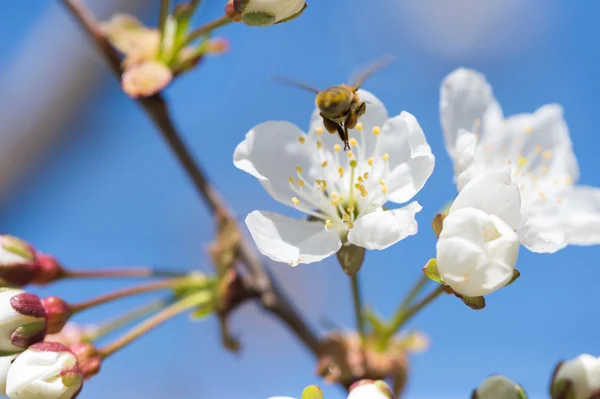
(339, 187)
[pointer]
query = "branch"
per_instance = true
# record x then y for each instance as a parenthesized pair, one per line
(271, 297)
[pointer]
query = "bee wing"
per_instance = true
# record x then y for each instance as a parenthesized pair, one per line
(361, 78)
(293, 83)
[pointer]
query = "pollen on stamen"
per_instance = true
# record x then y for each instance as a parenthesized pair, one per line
(292, 182)
(382, 182)
(319, 144)
(376, 130)
(543, 196)
(528, 130)
(384, 190)
(302, 139)
(337, 148)
(324, 164)
(319, 131)
(295, 200)
(568, 181)
(522, 160)
(547, 154)
(350, 209)
(350, 225)
(341, 171)
(360, 179)
(350, 154)
(370, 161)
(328, 223)
(346, 217)
(359, 127)
(366, 175)
(537, 149)
(300, 182)
(298, 169)
(385, 157)
(353, 142)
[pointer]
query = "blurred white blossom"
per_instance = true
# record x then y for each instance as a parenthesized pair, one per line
(580, 376)
(342, 192)
(268, 12)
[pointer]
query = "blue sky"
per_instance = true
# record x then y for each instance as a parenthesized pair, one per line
(110, 193)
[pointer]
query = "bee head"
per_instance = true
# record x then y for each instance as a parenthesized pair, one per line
(335, 101)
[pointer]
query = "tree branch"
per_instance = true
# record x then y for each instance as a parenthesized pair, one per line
(271, 297)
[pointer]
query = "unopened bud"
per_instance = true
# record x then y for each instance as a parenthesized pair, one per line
(17, 262)
(146, 79)
(351, 258)
(369, 389)
(22, 320)
(268, 12)
(499, 387)
(58, 313)
(578, 378)
(48, 269)
(47, 370)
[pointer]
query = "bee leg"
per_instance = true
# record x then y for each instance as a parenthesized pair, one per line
(345, 138)
(330, 126)
(360, 110)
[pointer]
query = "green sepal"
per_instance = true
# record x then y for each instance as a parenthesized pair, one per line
(516, 275)
(475, 303)
(294, 16)
(375, 321)
(562, 389)
(259, 18)
(351, 258)
(17, 247)
(431, 271)
(206, 306)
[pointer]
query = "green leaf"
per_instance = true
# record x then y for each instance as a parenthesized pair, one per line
(516, 275)
(475, 303)
(431, 271)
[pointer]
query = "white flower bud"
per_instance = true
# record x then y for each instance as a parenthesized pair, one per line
(47, 370)
(268, 12)
(22, 320)
(5, 363)
(580, 376)
(476, 252)
(499, 387)
(17, 262)
(368, 389)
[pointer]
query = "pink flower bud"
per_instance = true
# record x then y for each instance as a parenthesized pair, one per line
(58, 313)
(48, 269)
(47, 370)
(88, 358)
(22, 320)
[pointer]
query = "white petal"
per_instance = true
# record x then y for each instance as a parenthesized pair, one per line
(583, 372)
(581, 215)
(465, 167)
(292, 241)
(410, 159)
(281, 9)
(376, 116)
(542, 233)
(5, 363)
(379, 230)
(493, 192)
(368, 391)
(271, 152)
(466, 102)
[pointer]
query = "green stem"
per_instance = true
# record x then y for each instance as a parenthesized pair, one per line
(132, 271)
(206, 29)
(412, 311)
(165, 5)
(176, 309)
(358, 308)
(404, 305)
(126, 318)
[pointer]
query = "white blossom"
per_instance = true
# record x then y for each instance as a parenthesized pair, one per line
(584, 374)
(499, 387)
(370, 390)
(343, 191)
(22, 320)
(47, 370)
(268, 12)
(478, 247)
(5, 363)
(538, 150)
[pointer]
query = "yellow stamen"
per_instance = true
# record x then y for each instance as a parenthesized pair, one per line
(328, 223)
(360, 179)
(350, 225)
(295, 200)
(384, 190)
(341, 171)
(385, 157)
(319, 130)
(346, 217)
(568, 181)
(350, 209)
(359, 127)
(337, 148)
(366, 175)
(291, 180)
(298, 169)
(528, 130)
(370, 161)
(300, 183)
(543, 196)
(382, 182)
(324, 164)
(522, 161)
(537, 149)
(353, 142)
(302, 139)
(376, 130)
(350, 154)
(547, 154)
(319, 144)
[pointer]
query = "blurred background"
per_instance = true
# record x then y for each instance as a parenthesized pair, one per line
(84, 176)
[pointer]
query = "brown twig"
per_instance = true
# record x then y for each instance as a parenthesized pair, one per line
(271, 297)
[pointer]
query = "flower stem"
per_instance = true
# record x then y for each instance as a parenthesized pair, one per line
(400, 321)
(134, 271)
(358, 308)
(177, 308)
(165, 5)
(126, 318)
(137, 289)
(404, 305)
(206, 29)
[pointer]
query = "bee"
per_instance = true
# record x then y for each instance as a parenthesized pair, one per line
(340, 106)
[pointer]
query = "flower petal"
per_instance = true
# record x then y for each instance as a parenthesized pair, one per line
(292, 241)
(375, 116)
(465, 167)
(493, 192)
(271, 152)
(542, 233)
(411, 161)
(467, 102)
(581, 215)
(381, 229)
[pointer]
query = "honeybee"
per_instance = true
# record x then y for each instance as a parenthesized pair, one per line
(340, 106)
